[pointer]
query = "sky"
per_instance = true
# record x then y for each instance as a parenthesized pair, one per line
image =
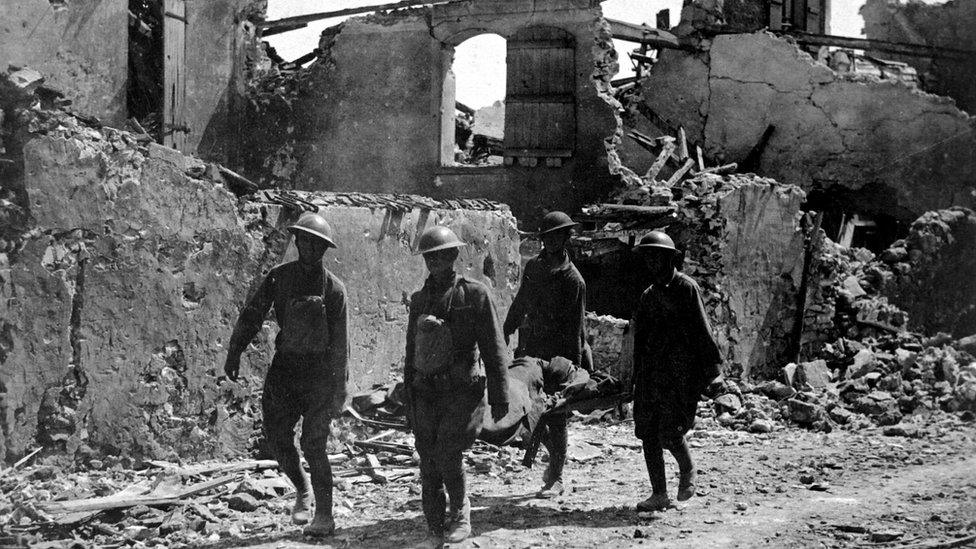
(479, 62)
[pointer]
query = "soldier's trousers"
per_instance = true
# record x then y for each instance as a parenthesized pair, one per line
(445, 423)
(297, 387)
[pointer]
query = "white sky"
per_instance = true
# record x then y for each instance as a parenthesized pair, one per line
(480, 61)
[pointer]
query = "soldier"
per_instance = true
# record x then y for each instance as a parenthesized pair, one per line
(675, 359)
(548, 312)
(307, 377)
(449, 317)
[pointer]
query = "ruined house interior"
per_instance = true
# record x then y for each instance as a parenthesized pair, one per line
(822, 190)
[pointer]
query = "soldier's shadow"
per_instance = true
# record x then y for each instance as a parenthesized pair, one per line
(489, 513)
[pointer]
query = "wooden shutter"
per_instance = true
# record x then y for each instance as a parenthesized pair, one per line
(174, 70)
(540, 100)
(775, 14)
(814, 22)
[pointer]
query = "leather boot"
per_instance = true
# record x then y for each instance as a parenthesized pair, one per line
(459, 525)
(686, 468)
(301, 511)
(556, 442)
(322, 523)
(654, 459)
(432, 497)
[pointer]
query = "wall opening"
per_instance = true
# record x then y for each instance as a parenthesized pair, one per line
(144, 93)
(474, 92)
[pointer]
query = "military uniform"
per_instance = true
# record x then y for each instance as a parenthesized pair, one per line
(549, 312)
(675, 358)
(307, 377)
(447, 409)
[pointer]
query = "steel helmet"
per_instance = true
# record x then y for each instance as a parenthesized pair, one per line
(553, 221)
(316, 225)
(436, 238)
(655, 239)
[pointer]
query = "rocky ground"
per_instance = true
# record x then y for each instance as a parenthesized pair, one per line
(788, 487)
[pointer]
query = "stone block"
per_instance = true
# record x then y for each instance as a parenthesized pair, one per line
(864, 362)
(814, 373)
(804, 413)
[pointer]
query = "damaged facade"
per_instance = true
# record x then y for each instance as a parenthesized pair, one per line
(391, 128)
(126, 262)
(119, 302)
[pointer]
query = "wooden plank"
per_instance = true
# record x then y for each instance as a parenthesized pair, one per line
(900, 48)
(643, 34)
(658, 164)
(308, 18)
(174, 67)
(680, 173)
(117, 502)
(525, 99)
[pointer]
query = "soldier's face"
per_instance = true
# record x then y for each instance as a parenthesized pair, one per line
(556, 240)
(310, 248)
(660, 263)
(440, 261)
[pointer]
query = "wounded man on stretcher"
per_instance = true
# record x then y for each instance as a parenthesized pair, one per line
(539, 387)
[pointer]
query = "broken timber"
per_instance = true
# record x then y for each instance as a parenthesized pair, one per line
(299, 21)
(642, 34)
(116, 502)
(900, 48)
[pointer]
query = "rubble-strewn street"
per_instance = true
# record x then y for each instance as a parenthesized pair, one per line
(454, 222)
(786, 487)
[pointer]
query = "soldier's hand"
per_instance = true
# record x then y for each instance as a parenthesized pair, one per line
(498, 411)
(232, 366)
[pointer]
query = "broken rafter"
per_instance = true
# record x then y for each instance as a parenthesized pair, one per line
(642, 34)
(308, 18)
(900, 48)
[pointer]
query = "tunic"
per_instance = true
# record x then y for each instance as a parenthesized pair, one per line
(549, 309)
(675, 358)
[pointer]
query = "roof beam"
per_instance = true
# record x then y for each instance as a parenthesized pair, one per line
(308, 18)
(643, 34)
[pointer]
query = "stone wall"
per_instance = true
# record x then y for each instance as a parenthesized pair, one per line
(80, 47)
(878, 147)
(367, 115)
(950, 25)
(118, 306)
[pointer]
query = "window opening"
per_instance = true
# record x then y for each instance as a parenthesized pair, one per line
(475, 87)
(144, 93)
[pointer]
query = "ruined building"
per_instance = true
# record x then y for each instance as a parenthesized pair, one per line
(146, 185)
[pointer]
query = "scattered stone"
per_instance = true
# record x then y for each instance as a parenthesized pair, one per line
(638, 533)
(804, 413)
(728, 403)
(814, 373)
(883, 536)
(967, 344)
(777, 390)
(789, 374)
(840, 415)
(902, 430)
(741, 506)
(853, 286)
(864, 362)
(761, 426)
(138, 532)
(242, 502)
(807, 479)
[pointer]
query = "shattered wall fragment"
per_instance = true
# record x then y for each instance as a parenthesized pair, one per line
(117, 310)
(336, 126)
(879, 147)
(949, 25)
(66, 42)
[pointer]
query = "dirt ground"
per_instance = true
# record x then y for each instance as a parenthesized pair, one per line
(789, 488)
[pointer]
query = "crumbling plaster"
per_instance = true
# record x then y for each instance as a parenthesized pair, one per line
(852, 137)
(368, 114)
(946, 24)
(117, 309)
(78, 46)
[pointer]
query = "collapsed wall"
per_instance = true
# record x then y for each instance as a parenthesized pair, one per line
(338, 125)
(949, 25)
(877, 146)
(66, 42)
(119, 302)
